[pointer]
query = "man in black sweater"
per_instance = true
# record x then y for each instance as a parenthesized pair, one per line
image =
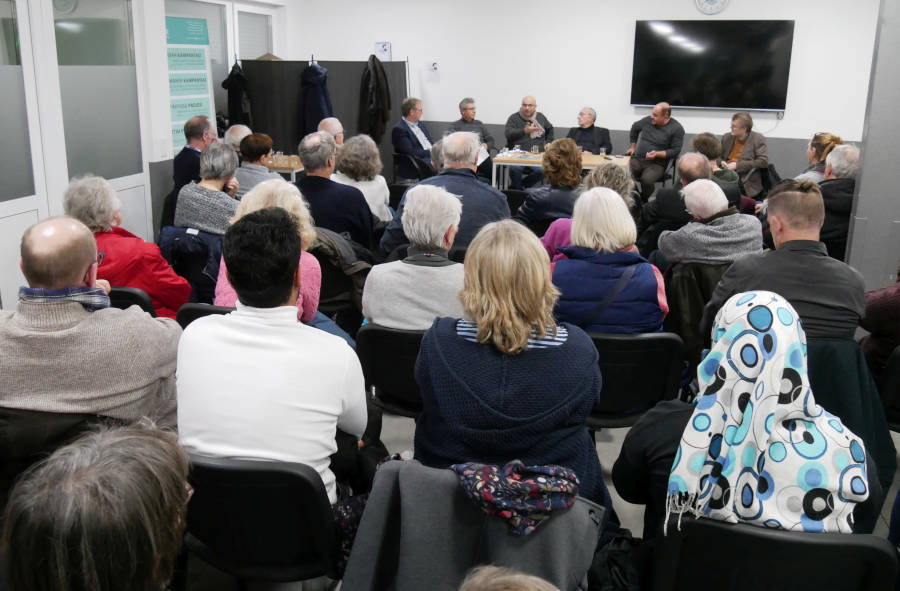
(655, 140)
(199, 133)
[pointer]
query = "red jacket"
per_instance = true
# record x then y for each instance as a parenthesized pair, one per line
(128, 261)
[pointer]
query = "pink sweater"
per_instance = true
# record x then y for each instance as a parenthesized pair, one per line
(307, 301)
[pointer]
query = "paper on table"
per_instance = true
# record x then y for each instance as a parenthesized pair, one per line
(482, 155)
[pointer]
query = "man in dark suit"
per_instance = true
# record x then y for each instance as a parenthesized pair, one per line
(410, 136)
(199, 133)
(589, 138)
(340, 208)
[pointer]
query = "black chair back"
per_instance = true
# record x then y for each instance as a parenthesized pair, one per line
(889, 388)
(770, 559)
(261, 520)
(423, 169)
(190, 312)
(396, 194)
(638, 371)
(515, 198)
(388, 359)
(689, 287)
(125, 297)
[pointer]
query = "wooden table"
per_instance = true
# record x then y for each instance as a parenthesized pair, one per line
(588, 161)
(286, 165)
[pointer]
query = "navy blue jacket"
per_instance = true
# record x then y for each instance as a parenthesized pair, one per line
(405, 142)
(340, 208)
(479, 405)
(587, 276)
(185, 168)
(316, 102)
(482, 204)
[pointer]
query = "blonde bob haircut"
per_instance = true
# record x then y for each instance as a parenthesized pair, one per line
(506, 288)
(600, 220)
(279, 193)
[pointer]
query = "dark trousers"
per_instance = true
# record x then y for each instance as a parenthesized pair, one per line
(522, 177)
(647, 172)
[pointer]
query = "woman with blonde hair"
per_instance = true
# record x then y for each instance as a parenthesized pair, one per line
(507, 382)
(555, 199)
(605, 284)
(280, 193)
(818, 149)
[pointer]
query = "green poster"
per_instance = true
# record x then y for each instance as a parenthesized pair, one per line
(187, 58)
(188, 84)
(186, 31)
(185, 108)
(178, 140)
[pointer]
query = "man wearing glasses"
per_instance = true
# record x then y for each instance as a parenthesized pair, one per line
(468, 122)
(410, 136)
(528, 129)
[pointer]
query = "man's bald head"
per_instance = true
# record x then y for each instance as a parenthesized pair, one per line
(693, 166)
(57, 253)
(661, 114)
(333, 126)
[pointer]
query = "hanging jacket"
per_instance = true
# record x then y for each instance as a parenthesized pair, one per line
(238, 100)
(374, 100)
(316, 104)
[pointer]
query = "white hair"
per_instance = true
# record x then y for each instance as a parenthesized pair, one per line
(235, 134)
(844, 161)
(704, 198)
(92, 201)
(427, 213)
(460, 149)
(601, 220)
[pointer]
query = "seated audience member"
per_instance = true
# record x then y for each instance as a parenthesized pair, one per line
(655, 140)
(199, 133)
(209, 204)
(667, 211)
(437, 157)
(827, 294)
(256, 151)
(410, 136)
(562, 173)
(590, 138)
(468, 122)
(710, 146)
(752, 407)
(64, 350)
(882, 320)
(817, 151)
(105, 513)
(234, 135)
(124, 259)
(335, 206)
(718, 234)
(841, 168)
(484, 380)
(601, 261)
(280, 193)
(745, 151)
(609, 175)
(481, 202)
(411, 293)
(529, 129)
(496, 578)
(305, 383)
(358, 165)
(333, 126)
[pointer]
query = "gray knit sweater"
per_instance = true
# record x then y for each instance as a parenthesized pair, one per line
(59, 357)
(722, 239)
(407, 296)
(204, 209)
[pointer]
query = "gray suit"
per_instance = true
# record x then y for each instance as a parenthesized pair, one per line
(754, 156)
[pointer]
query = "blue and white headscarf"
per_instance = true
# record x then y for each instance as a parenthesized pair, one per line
(758, 449)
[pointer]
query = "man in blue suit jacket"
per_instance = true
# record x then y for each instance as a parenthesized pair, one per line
(409, 136)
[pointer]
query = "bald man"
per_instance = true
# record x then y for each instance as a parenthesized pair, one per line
(234, 135)
(64, 350)
(199, 133)
(527, 128)
(655, 140)
(333, 126)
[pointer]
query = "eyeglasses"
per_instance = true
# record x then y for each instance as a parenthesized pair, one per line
(100, 257)
(529, 105)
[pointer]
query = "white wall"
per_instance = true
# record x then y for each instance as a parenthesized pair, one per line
(580, 51)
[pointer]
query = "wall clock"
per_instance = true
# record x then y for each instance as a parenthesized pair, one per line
(711, 6)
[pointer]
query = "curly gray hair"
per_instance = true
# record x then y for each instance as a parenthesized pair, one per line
(359, 159)
(92, 200)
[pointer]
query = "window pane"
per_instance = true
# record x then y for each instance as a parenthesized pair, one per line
(98, 84)
(218, 51)
(15, 151)
(254, 32)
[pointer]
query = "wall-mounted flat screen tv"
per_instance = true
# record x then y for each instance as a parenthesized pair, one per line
(712, 64)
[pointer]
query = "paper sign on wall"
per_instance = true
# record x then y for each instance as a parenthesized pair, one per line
(190, 74)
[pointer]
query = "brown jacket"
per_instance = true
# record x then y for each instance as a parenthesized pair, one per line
(754, 156)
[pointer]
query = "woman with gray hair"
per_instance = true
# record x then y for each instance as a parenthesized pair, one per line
(210, 204)
(411, 293)
(359, 165)
(123, 258)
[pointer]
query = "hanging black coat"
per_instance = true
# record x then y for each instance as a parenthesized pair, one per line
(238, 101)
(316, 104)
(374, 100)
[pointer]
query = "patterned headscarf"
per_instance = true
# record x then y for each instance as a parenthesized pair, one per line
(758, 448)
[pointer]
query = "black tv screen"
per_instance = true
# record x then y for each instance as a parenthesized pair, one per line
(713, 64)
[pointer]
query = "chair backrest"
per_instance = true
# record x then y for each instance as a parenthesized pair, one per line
(422, 168)
(261, 520)
(190, 312)
(388, 359)
(689, 287)
(396, 193)
(889, 388)
(124, 297)
(638, 371)
(711, 553)
(515, 198)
